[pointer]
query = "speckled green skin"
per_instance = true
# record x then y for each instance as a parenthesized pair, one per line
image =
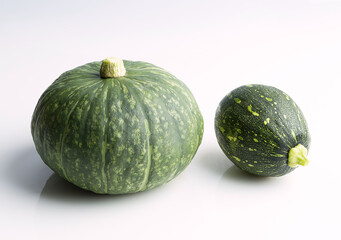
(117, 135)
(256, 126)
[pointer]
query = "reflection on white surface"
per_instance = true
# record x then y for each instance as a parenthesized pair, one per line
(58, 189)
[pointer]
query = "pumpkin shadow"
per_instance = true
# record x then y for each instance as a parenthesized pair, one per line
(236, 174)
(57, 189)
(60, 190)
(214, 160)
(26, 171)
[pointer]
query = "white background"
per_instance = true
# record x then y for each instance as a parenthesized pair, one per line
(213, 47)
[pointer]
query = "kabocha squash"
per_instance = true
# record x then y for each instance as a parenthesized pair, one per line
(117, 126)
(262, 130)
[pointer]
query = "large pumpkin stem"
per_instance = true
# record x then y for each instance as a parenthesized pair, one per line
(112, 68)
(298, 156)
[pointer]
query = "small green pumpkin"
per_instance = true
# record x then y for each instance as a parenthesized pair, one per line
(262, 130)
(115, 127)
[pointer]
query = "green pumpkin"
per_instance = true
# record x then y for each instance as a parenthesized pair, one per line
(262, 130)
(115, 127)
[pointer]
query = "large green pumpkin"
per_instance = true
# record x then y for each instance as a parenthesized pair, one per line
(116, 126)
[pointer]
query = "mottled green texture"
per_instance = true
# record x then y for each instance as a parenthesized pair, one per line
(117, 135)
(257, 132)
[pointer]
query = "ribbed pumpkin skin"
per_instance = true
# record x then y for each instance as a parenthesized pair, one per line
(117, 135)
(256, 126)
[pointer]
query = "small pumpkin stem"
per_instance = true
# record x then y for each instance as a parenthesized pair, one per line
(112, 68)
(298, 156)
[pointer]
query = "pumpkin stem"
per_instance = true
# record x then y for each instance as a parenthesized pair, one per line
(298, 156)
(112, 68)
